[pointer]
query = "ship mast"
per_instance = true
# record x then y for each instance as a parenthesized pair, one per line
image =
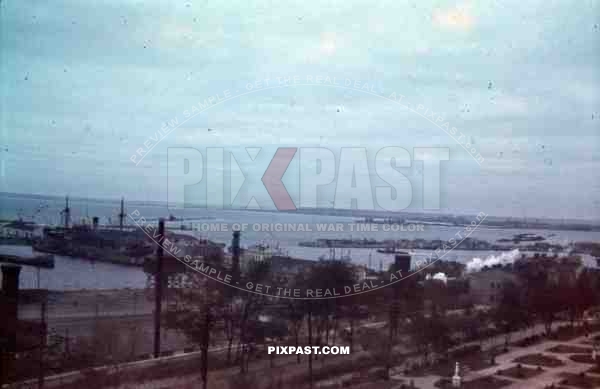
(122, 214)
(67, 212)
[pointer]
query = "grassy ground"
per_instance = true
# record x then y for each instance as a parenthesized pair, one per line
(580, 380)
(488, 382)
(539, 360)
(521, 372)
(567, 349)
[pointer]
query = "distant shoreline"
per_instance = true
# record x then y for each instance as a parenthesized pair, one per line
(440, 218)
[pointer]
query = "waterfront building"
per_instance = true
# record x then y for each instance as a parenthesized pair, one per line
(485, 287)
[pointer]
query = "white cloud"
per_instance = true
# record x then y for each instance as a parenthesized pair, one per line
(458, 18)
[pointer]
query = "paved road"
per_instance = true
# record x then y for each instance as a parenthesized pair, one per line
(131, 332)
(90, 303)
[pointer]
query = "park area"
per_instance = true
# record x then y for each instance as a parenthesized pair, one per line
(544, 364)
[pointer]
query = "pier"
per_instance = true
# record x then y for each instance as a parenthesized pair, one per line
(43, 261)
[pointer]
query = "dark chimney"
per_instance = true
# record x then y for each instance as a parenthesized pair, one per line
(235, 251)
(9, 311)
(402, 262)
(158, 286)
(95, 222)
(10, 281)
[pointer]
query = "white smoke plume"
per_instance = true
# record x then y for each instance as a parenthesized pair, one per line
(438, 276)
(441, 276)
(506, 258)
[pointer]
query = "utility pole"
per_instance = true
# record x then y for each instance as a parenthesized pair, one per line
(42, 341)
(67, 348)
(310, 359)
(158, 288)
(205, 339)
(235, 260)
(393, 328)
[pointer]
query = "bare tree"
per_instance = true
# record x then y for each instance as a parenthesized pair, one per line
(325, 275)
(295, 317)
(195, 312)
(250, 307)
(511, 313)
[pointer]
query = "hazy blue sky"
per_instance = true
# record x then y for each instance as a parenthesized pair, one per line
(85, 84)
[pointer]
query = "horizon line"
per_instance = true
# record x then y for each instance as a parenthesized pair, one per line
(439, 212)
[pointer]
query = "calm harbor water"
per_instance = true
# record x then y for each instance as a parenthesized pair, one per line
(74, 273)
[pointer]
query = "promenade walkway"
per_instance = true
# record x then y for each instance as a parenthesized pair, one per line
(505, 361)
